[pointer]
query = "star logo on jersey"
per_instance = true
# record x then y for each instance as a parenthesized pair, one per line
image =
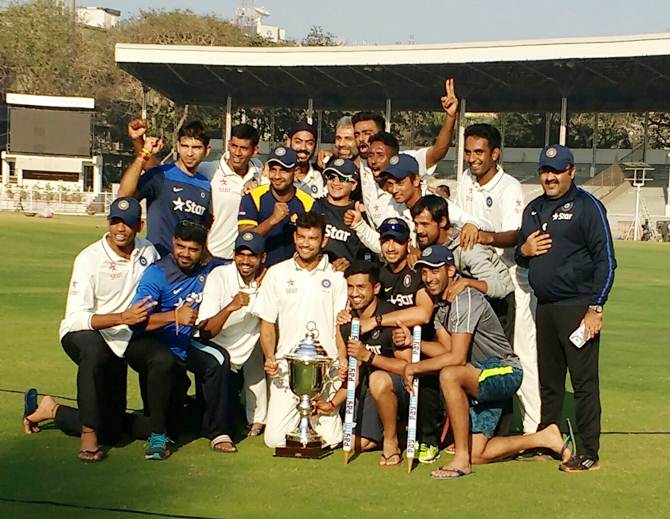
(74, 284)
(179, 204)
(291, 282)
(112, 266)
(177, 189)
(291, 288)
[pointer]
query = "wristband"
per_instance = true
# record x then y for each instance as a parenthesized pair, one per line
(332, 406)
(371, 358)
(145, 154)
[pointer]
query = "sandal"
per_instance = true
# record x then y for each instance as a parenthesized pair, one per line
(387, 460)
(256, 429)
(440, 473)
(89, 456)
(223, 443)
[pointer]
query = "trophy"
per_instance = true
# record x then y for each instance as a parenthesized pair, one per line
(308, 365)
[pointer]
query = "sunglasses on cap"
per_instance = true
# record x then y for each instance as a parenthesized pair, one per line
(340, 177)
(189, 224)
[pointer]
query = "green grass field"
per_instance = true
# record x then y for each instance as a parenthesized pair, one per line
(40, 475)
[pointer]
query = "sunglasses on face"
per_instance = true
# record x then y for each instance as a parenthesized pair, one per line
(342, 178)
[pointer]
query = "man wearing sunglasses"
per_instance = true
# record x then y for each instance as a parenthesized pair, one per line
(225, 318)
(343, 246)
(162, 348)
(566, 244)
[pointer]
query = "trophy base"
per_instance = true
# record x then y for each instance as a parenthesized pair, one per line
(294, 449)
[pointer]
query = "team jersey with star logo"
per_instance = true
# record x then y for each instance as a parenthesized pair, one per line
(104, 283)
(171, 288)
(172, 196)
(258, 205)
(399, 288)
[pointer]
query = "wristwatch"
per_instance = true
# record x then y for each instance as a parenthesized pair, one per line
(596, 308)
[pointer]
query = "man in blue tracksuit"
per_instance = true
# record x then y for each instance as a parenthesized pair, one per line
(565, 242)
(163, 348)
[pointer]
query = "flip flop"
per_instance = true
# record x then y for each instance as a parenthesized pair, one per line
(386, 459)
(223, 443)
(30, 406)
(89, 456)
(256, 429)
(459, 473)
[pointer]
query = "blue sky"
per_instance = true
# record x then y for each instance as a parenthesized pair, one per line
(440, 21)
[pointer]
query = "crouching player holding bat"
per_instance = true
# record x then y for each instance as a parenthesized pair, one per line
(478, 369)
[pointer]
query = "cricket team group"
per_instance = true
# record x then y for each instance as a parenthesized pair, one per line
(241, 259)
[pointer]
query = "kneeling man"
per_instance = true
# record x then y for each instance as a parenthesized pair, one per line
(479, 371)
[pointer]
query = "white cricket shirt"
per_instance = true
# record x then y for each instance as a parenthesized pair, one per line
(226, 195)
(312, 184)
(292, 297)
(498, 203)
(241, 330)
(104, 283)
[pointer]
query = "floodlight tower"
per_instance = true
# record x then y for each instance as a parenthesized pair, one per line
(639, 179)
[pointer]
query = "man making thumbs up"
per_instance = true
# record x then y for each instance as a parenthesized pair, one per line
(162, 348)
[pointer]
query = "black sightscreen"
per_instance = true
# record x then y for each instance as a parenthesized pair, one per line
(50, 132)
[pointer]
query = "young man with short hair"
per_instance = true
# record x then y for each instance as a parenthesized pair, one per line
(95, 332)
(478, 369)
(174, 192)
(225, 319)
(162, 349)
(273, 209)
(300, 290)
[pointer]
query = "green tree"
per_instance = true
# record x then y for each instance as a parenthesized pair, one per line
(319, 37)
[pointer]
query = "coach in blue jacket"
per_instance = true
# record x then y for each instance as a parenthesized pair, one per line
(565, 242)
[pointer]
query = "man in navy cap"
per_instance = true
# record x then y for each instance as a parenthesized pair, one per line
(566, 243)
(302, 139)
(225, 319)
(95, 332)
(479, 370)
(343, 247)
(271, 210)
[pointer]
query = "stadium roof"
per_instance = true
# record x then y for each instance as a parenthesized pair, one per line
(609, 74)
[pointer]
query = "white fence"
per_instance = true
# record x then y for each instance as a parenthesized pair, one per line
(63, 201)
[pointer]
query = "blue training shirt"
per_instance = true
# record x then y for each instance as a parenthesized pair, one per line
(172, 196)
(171, 288)
(258, 205)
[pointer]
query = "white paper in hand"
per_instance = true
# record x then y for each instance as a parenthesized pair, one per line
(578, 336)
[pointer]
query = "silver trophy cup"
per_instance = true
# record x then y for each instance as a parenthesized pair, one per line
(308, 365)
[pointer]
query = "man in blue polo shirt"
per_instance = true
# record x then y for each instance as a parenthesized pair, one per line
(174, 192)
(272, 210)
(175, 284)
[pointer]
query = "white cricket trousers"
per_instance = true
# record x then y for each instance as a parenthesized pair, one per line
(525, 346)
(283, 416)
(255, 387)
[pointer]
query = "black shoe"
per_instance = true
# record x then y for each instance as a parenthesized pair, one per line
(579, 463)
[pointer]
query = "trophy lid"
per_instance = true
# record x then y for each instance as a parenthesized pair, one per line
(309, 348)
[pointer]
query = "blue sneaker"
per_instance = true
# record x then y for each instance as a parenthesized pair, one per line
(158, 447)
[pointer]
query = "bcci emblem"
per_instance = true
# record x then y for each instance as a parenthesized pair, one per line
(407, 281)
(313, 189)
(551, 153)
(202, 194)
(143, 261)
(338, 162)
(427, 252)
(394, 160)
(201, 279)
(280, 152)
(247, 236)
(325, 283)
(392, 221)
(376, 333)
(124, 205)
(489, 201)
(567, 207)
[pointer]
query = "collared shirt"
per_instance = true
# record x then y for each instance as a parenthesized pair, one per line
(104, 283)
(292, 297)
(498, 203)
(375, 199)
(227, 189)
(258, 206)
(171, 288)
(241, 330)
(312, 184)
(172, 196)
